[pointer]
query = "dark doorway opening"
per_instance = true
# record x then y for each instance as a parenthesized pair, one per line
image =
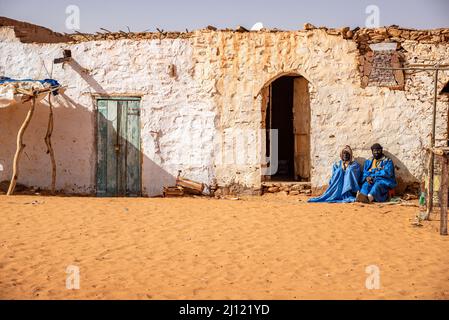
(445, 89)
(288, 110)
(282, 120)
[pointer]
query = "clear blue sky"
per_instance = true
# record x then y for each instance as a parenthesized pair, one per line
(178, 15)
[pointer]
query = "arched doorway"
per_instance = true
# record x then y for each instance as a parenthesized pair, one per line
(286, 108)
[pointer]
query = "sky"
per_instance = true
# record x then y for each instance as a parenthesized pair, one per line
(179, 15)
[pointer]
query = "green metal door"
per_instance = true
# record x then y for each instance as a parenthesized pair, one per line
(118, 147)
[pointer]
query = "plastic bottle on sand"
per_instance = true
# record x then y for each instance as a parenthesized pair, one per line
(422, 211)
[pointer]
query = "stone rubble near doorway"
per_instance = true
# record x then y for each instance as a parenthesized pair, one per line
(287, 188)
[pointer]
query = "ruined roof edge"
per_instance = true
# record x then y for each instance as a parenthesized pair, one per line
(28, 33)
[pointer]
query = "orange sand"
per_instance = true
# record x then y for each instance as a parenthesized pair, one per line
(270, 247)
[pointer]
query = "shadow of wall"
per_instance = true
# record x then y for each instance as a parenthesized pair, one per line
(116, 171)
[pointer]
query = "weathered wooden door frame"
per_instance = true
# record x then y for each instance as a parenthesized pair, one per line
(116, 98)
(302, 129)
(266, 96)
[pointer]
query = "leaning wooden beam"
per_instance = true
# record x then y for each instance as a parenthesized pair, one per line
(192, 186)
(432, 143)
(25, 92)
(444, 194)
(189, 186)
(49, 146)
(20, 147)
(430, 180)
(31, 94)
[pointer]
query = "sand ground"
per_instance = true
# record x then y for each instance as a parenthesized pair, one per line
(270, 247)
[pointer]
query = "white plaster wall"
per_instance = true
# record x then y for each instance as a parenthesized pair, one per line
(188, 122)
(177, 120)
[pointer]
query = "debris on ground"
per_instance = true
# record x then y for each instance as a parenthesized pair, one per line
(189, 186)
(35, 202)
(409, 196)
(417, 222)
(231, 198)
(184, 187)
(395, 200)
(291, 188)
(173, 192)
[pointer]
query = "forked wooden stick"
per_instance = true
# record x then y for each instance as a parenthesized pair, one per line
(49, 146)
(20, 147)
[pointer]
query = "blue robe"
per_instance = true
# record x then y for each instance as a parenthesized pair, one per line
(384, 179)
(343, 184)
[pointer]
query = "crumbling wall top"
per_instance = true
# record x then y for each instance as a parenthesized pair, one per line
(27, 32)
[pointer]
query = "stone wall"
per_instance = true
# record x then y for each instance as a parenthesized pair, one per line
(240, 64)
(28, 32)
(201, 103)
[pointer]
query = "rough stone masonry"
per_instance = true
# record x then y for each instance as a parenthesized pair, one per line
(199, 88)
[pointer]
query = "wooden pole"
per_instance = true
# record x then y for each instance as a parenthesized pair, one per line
(432, 145)
(435, 99)
(444, 194)
(267, 176)
(430, 182)
(49, 146)
(20, 147)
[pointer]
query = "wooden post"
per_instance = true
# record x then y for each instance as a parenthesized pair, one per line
(430, 182)
(270, 145)
(435, 99)
(444, 194)
(20, 147)
(432, 145)
(49, 146)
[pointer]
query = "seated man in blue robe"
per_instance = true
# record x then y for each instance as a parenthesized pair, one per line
(378, 177)
(344, 183)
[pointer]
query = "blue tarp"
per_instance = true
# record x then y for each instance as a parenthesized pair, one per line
(383, 176)
(50, 82)
(343, 184)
